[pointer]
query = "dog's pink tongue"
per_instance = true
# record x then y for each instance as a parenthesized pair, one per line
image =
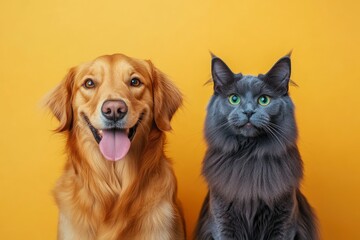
(114, 144)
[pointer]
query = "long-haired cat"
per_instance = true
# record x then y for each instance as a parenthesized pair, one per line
(252, 164)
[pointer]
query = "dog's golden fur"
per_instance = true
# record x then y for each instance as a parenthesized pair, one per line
(133, 198)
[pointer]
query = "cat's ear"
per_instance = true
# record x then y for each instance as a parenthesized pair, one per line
(279, 75)
(221, 74)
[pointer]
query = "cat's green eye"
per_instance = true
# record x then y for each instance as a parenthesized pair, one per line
(264, 100)
(234, 99)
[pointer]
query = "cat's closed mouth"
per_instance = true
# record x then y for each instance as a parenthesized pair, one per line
(247, 125)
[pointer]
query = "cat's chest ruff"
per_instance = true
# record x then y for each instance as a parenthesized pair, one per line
(252, 220)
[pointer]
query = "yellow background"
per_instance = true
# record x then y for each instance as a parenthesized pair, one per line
(40, 40)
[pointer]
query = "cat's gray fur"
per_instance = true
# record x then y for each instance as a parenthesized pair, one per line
(253, 170)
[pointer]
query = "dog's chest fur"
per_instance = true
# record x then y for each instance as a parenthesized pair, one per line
(83, 209)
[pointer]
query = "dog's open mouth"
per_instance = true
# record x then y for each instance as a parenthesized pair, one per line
(114, 143)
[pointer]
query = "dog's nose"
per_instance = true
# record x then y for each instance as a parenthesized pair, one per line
(114, 109)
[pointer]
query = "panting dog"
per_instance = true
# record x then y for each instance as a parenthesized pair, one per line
(117, 182)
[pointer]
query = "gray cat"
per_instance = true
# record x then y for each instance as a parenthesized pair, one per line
(252, 165)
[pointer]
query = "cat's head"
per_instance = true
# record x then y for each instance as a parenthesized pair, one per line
(251, 106)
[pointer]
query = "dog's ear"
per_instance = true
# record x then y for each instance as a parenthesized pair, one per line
(59, 102)
(167, 98)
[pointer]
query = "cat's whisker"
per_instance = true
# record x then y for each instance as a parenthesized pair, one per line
(280, 132)
(274, 135)
(278, 127)
(219, 127)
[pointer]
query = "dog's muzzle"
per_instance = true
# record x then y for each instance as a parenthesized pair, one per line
(114, 142)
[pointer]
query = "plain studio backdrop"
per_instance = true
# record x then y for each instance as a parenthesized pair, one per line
(40, 40)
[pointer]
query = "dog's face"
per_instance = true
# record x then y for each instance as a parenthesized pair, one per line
(113, 101)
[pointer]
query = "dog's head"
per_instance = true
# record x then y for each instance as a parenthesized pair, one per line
(113, 101)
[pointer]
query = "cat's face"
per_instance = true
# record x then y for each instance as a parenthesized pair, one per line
(251, 106)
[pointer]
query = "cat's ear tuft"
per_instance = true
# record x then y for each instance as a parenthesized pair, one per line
(279, 75)
(221, 73)
(289, 54)
(212, 55)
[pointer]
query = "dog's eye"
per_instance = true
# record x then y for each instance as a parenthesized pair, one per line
(135, 82)
(89, 83)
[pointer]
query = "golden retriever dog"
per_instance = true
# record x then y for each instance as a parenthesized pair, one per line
(117, 182)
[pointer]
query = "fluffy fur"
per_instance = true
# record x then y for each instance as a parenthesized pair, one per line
(252, 165)
(133, 198)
